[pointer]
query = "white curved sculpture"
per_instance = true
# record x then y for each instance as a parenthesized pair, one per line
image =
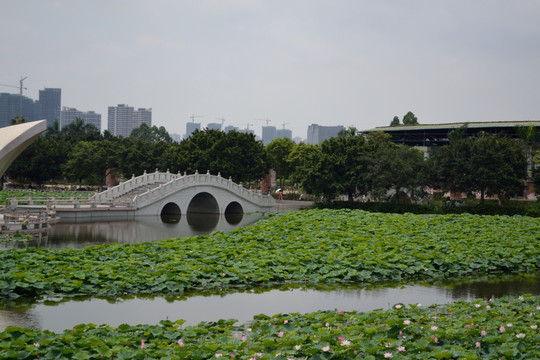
(15, 138)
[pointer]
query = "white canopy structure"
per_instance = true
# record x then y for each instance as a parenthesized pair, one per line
(15, 138)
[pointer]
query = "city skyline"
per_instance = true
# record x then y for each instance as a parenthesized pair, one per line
(350, 63)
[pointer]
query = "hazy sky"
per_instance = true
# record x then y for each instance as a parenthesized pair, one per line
(331, 62)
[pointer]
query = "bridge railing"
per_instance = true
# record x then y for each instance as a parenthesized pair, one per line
(178, 183)
(134, 183)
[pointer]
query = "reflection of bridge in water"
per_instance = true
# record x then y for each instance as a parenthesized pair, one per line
(163, 193)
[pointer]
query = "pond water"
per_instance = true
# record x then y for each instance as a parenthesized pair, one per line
(242, 306)
(148, 228)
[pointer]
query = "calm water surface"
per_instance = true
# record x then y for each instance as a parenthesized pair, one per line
(244, 305)
(147, 228)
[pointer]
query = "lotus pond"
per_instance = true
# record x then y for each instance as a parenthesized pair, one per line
(299, 248)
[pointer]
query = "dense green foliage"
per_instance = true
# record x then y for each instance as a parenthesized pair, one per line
(350, 164)
(489, 164)
(277, 153)
(233, 154)
(495, 329)
(78, 153)
(316, 246)
(151, 134)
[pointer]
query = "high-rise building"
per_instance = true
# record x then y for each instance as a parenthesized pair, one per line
(142, 115)
(10, 107)
(317, 133)
(68, 115)
(268, 134)
(191, 127)
(230, 128)
(50, 101)
(214, 126)
(122, 119)
(284, 133)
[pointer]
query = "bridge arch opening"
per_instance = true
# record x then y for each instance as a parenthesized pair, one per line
(203, 203)
(170, 213)
(234, 213)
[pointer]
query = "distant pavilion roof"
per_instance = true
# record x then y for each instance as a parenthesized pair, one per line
(437, 134)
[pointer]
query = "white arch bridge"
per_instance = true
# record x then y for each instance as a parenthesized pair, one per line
(164, 193)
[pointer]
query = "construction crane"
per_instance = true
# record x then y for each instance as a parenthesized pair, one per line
(285, 124)
(192, 117)
(222, 121)
(267, 120)
(20, 87)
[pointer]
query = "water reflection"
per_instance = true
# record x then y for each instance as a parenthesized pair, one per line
(244, 305)
(141, 229)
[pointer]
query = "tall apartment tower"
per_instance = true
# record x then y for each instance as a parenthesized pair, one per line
(50, 100)
(10, 107)
(230, 128)
(140, 116)
(191, 127)
(122, 119)
(68, 115)
(317, 133)
(269, 133)
(214, 126)
(284, 133)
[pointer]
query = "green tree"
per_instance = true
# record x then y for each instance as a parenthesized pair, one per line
(339, 168)
(489, 164)
(395, 121)
(395, 170)
(233, 154)
(277, 154)
(93, 169)
(150, 134)
(78, 130)
(40, 162)
(298, 159)
(410, 119)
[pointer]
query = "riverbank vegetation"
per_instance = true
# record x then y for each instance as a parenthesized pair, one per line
(493, 329)
(312, 247)
(358, 166)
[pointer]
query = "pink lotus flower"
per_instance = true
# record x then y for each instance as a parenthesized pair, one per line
(477, 344)
(143, 345)
(434, 327)
(388, 355)
(233, 356)
(520, 335)
(502, 329)
(326, 348)
(180, 342)
(406, 322)
(345, 342)
(37, 344)
(401, 348)
(483, 332)
(280, 334)
(285, 321)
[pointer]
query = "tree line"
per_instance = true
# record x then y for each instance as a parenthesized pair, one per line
(351, 164)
